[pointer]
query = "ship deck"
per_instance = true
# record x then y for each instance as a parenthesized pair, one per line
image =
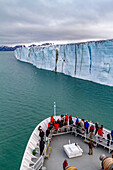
(86, 161)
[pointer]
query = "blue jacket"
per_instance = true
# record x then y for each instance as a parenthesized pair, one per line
(86, 124)
(77, 121)
(111, 132)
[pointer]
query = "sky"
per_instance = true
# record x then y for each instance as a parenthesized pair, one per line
(28, 21)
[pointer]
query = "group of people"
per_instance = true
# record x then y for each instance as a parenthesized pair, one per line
(53, 124)
(42, 142)
(64, 120)
(82, 126)
(42, 135)
(93, 130)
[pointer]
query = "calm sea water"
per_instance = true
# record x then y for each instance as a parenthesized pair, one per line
(27, 95)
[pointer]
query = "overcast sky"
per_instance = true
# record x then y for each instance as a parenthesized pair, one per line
(27, 21)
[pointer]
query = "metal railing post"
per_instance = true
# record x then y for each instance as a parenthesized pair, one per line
(54, 109)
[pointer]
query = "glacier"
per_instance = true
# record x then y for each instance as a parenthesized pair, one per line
(91, 61)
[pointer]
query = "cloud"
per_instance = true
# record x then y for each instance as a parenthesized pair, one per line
(43, 20)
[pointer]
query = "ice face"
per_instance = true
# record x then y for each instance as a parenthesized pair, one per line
(90, 61)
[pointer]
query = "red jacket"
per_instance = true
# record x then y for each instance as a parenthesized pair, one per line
(52, 119)
(56, 125)
(100, 132)
(64, 165)
(66, 117)
(92, 129)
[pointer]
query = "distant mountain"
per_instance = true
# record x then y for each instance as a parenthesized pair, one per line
(41, 45)
(6, 48)
(33, 45)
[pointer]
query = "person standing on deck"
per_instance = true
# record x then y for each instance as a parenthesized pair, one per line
(91, 145)
(100, 132)
(66, 119)
(39, 128)
(91, 131)
(62, 120)
(82, 126)
(65, 164)
(86, 125)
(111, 137)
(96, 128)
(108, 139)
(50, 125)
(41, 134)
(42, 143)
(52, 119)
(47, 134)
(56, 126)
(77, 120)
(70, 120)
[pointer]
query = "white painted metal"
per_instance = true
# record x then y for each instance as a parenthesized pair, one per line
(54, 109)
(34, 142)
(73, 150)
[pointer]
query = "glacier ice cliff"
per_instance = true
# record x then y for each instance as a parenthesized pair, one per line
(91, 61)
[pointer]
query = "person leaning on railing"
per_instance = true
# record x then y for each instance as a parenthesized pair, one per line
(47, 133)
(100, 132)
(78, 127)
(56, 126)
(62, 120)
(86, 125)
(96, 128)
(77, 120)
(111, 137)
(70, 120)
(91, 131)
(50, 125)
(108, 139)
(66, 119)
(59, 122)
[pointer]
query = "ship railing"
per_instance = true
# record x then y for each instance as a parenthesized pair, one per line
(106, 143)
(63, 130)
(39, 163)
(69, 129)
(77, 130)
(80, 131)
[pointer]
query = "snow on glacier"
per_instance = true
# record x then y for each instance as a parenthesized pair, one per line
(89, 60)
